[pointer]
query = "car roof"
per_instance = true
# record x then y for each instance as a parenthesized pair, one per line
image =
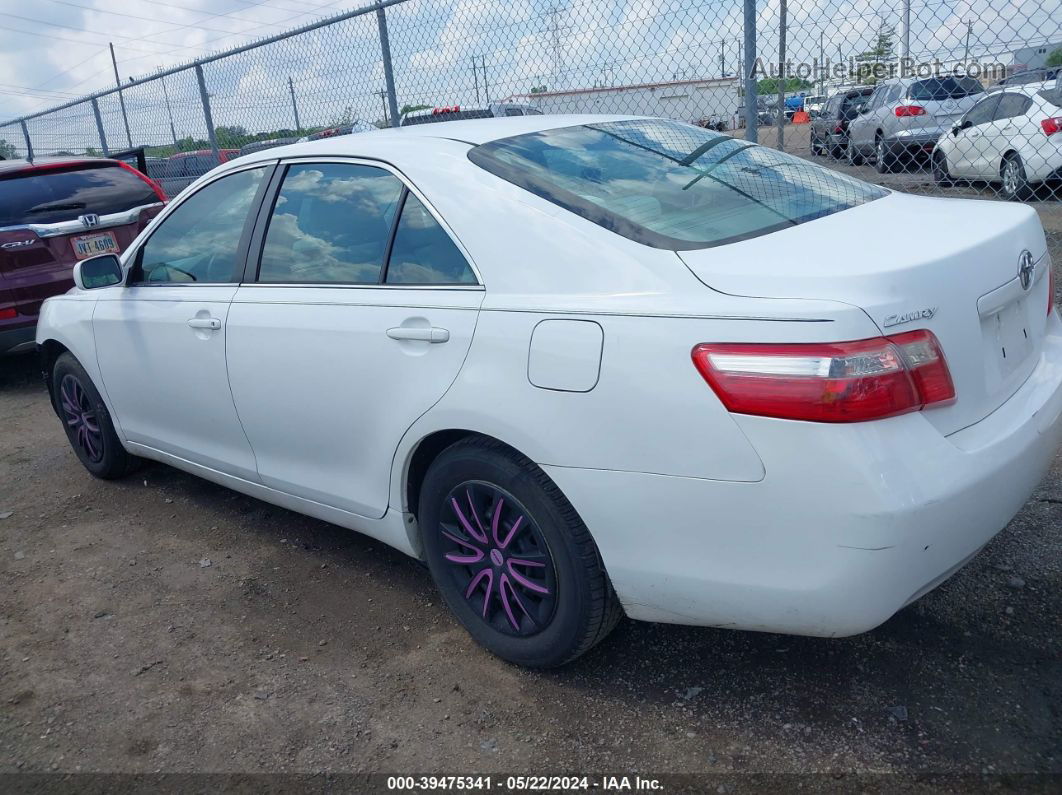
(41, 163)
(469, 131)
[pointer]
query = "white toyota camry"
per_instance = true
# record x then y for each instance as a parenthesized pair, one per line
(584, 367)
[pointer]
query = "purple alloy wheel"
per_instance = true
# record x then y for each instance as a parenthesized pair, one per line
(80, 418)
(498, 558)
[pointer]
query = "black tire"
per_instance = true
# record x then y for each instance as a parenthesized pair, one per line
(941, 175)
(816, 147)
(579, 608)
(852, 155)
(884, 160)
(87, 422)
(1015, 185)
(836, 152)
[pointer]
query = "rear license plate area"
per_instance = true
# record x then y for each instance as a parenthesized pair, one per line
(91, 245)
(1007, 331)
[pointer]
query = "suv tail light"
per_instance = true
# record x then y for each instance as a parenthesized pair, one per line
(1051, 125)
(839, 128)
(828, 382)
(909, 110)
(154, 185)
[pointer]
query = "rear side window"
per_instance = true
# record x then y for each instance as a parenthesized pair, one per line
(46, 197)
(671, 185)
(850, 103)
(422, 252)
(330, 224)
(938, 89)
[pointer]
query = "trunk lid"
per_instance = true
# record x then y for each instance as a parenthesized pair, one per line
(947, 265)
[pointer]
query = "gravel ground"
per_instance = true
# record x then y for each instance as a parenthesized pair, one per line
(162, 623)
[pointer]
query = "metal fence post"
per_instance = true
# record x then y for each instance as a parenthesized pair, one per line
(99, 127)
(389, 75)
(25, 134)
(121, 98)
(782, 11)
(205, 99)
(752, 118)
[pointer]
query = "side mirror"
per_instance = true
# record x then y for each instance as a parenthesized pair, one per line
(104, 270)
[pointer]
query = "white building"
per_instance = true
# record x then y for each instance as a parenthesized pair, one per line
(684, 100)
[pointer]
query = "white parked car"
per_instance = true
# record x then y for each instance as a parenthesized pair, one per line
(573, 363)
(1011, 137)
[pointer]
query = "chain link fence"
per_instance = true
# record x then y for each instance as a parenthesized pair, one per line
(954, 96)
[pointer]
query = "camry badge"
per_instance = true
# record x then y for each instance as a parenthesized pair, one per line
(1026, 269)
(908, 317)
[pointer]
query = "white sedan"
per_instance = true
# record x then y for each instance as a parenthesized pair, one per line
(584, 367)
(1011, 137)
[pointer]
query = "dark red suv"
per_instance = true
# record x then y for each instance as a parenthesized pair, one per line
(53, 213)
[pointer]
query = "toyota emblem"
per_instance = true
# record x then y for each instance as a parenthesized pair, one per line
(1026, 269)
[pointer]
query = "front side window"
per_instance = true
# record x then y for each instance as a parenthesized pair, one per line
(199, 241)
(671, 185)
(982, 112)
(422, 252)
(330, 224)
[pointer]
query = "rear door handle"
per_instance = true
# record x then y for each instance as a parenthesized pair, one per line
(433, 334)
(204, 322)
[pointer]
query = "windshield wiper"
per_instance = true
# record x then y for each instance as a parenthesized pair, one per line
(47, 208)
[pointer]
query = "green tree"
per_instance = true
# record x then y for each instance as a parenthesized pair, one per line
(231, 137)
(870, 62)
(410, 108)
(539, 89)
(1055, 58)
(91, 151)
(769, 85)
(7, 151)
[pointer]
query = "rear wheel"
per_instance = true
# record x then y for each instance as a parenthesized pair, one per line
(884, 160)
(1016, 185)
(87, 422)
(852, 154)
(816, 147)
(941, 175)
(511, 557)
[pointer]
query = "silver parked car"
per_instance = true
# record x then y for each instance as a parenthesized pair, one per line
(905, 116)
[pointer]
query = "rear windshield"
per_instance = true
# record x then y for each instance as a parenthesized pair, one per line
(940, 88)
(46, 197)
(455, 115)
(671, 185)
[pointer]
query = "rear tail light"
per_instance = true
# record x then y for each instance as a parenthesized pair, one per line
(910, 110)
(828, 382)
(1051, 125)
(154, 185)
(839, 128)
(7, 314)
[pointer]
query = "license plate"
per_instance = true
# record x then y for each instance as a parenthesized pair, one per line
(1012, 337)
(91, 245)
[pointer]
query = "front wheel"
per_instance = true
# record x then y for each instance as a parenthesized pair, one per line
(852, 154)
(87, 422)
(511, 557)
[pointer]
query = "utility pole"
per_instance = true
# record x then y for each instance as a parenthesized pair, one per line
(822, 67)
(169, 110)
(486, 88)
(121, 99)
(383, 98)
(722, 58)
(475, 78)
(966, 52)
(294, 104)
(554, 12)
(782, 10)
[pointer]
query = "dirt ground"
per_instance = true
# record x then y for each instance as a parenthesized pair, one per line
(162, 623)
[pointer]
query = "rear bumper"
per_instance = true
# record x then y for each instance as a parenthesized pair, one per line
(914, 142)
(18, 339)
(851, 522)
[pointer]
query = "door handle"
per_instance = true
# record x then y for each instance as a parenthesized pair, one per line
(433, 334)
(204, 322)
